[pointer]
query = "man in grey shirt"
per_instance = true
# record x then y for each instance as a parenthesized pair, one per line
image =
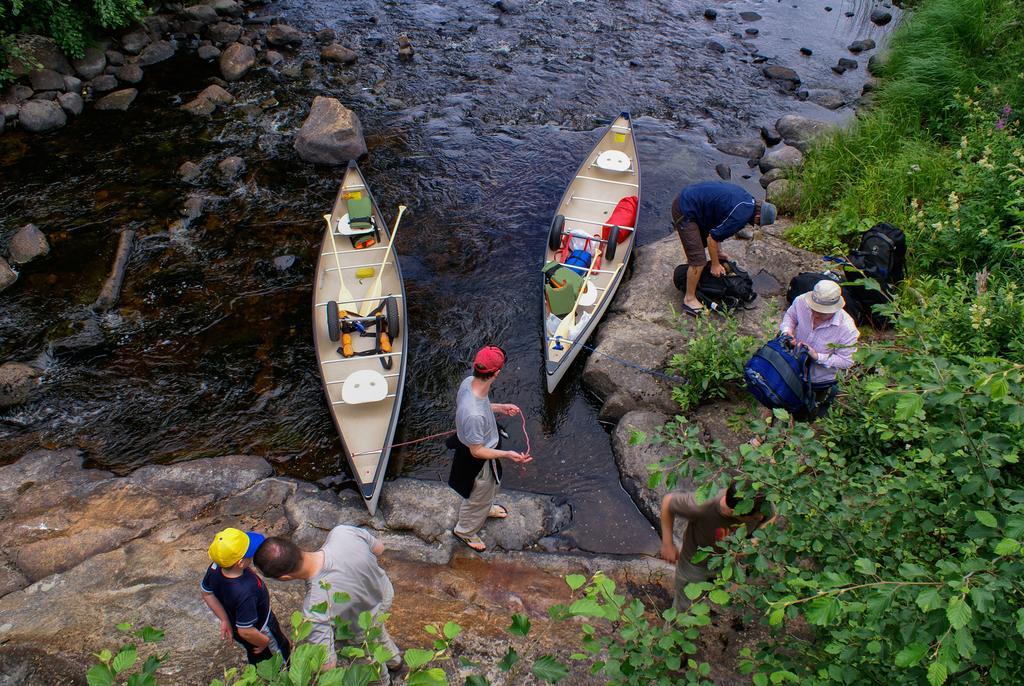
(476, 470)
(347, 563)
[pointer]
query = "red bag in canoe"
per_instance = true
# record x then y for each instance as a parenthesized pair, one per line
(623, 215)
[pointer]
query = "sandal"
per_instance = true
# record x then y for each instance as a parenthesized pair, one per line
(497, 512)
(474, 542)
(693, 311)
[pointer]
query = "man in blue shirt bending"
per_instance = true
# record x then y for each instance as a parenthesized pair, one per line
(704, 215)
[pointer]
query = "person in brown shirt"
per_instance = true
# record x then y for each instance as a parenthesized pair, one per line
(707, 523)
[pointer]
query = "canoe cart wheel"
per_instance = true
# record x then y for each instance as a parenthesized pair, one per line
(555, 235)
(391, 311)
(333, 322)
(613, 242)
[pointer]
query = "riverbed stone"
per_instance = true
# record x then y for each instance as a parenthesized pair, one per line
(103, 83)
(273, 57)
(236, 60)
(283, 35)
(786, 77)
(634, 451)
(750, 148)
(862, 45)
(325, 36)
(771, 175)
(800, 131)
(9, 111)
(230, 167)
(876, 63)
(76, 335)
(335, 52)
(331, 134)
(37, 116)
(17, 381)
(784, 157)
(208, 52)
(199, 107)
(46, 80)
(157, 52)
(129, 73)
(829, 98)
(71, 103)
(204, 14)
(880, 16)
(39, 52)
(7, 275)
(189, 171)
(134, 42)
(114, 58)
(91, 64)
(227, 8)
(72, 84)
(118, 100)
(18, 93)
(223, 32)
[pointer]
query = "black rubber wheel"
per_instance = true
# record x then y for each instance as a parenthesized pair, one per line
(555, 235)
(391, 312)
(613, 242)
(333, 322)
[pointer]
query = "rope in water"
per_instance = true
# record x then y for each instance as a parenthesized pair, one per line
(522, 417)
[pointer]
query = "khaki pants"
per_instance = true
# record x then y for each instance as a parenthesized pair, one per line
(687, 573)
(474, 509)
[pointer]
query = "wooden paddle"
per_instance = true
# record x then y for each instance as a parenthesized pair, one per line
(345, 299)
(569, 320)
(374, 292)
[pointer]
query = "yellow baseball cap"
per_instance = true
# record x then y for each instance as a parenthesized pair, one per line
(231, 545)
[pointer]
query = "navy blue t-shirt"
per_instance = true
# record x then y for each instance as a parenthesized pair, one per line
(245, 598)
(720, 209)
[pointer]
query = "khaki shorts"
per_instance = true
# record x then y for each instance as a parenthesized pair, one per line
(689, 235)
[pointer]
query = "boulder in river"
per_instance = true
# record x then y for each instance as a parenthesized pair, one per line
(37, 52)
(223, 32)
(331, 134)
(230, 167)
(880, 16)
(208, 52)
(46, 80)
(829, 98)
(633, 451)
(17, 382)
(799, 131)
(771, 175)
(283, 35)
(72, 84)
(785, 194)
(750, 148)
(91, 64)
(204, 14)
(859, 46)
(784, 76)
(118, 100)
(324, 36)
(189, 171)
(227, 8)
(129, 73)
(236, 61)
(338, 53)
(157, 52)
(77, 335)
(7, 275)
(273, 57)
(37, 116)
(103, 83)
(134, 42)
(71, 103)
(785, 157)
(28, 244)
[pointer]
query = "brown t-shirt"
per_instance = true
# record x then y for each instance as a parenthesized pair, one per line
(706, 525)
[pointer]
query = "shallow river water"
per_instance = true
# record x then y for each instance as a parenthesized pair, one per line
(210, 351)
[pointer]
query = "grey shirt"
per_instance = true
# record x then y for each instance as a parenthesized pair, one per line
(474, 421)
(349, 567)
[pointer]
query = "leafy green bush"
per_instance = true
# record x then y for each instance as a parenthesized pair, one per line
(712, 362)
(69, 22)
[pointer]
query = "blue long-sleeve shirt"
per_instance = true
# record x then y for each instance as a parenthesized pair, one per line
(719, 209)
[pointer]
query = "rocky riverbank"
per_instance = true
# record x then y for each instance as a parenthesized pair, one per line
(83, 550)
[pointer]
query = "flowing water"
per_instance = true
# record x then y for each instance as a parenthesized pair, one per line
(210, 350)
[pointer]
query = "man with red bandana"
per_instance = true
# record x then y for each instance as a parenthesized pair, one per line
(476, 471)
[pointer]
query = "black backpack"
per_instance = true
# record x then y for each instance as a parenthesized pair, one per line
(805, 282)
(881, 256)
(732, 290)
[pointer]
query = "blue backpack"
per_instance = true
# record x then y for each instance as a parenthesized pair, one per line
(779, 376)
(579, 261)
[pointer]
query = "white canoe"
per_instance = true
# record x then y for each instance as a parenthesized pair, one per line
(610, 173)
(364, 391)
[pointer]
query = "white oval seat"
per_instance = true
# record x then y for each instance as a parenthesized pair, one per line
(364, 386)
(613, 160)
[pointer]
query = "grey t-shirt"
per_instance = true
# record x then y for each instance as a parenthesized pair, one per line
(349, 567)
(474, 419)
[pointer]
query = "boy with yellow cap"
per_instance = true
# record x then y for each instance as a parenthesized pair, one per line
(239, 597)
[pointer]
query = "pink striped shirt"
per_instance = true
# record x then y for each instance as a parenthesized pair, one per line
(835, 340)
